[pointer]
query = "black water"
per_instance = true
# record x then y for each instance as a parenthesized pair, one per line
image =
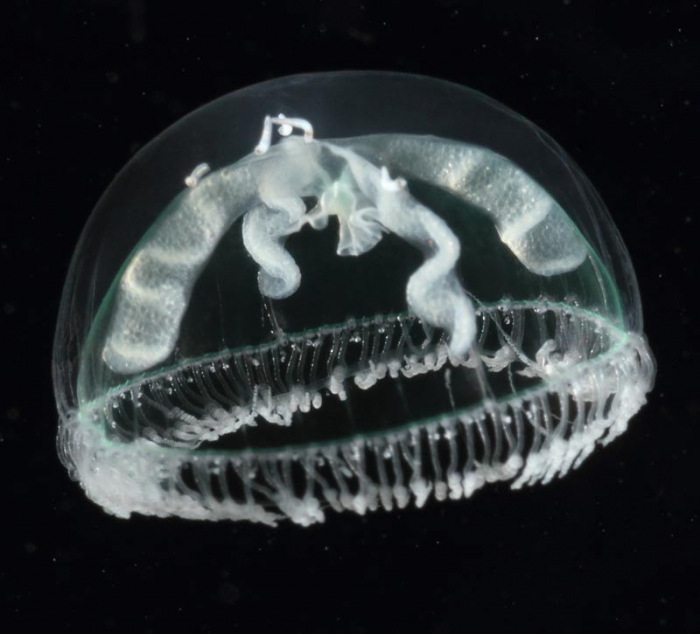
(612, 547)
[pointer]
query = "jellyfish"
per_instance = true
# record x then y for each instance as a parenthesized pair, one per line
(343, 291)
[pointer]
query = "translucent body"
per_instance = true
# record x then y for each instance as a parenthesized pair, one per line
(387, 306)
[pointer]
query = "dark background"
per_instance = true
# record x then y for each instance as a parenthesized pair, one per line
(612, 547)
